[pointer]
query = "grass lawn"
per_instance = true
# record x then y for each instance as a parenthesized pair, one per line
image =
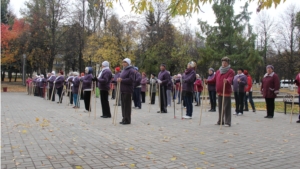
(279, 107)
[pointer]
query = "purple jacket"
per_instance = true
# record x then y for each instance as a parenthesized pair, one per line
(144, 82)
(104, 80)
(137, 80)
(59, 81)
(68, 81)
(87, 82)
(42, 83)
(211, 87)
(76, 83)
(51, 79)
(188, 78)
(239, 86)
(127, 76)
(164, 76)
(170, 84)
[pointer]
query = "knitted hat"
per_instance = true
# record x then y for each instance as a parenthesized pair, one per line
(127, 60)
(211, 69)
(192, 64)
(136, 68)
(53, 72)
(117, 69)
(246, 72)
(270, 66)
(61, 72)
(105, 64)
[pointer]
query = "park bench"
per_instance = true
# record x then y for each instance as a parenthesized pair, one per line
(288, 99)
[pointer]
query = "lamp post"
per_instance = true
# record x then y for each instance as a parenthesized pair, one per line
(24, 70)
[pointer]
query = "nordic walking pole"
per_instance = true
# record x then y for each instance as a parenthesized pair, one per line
(222, 105)
(90, 100)
(159, 94)
(181, 100)
(150, 93)
(78, 95)
(201, 106)
(174, 92)
(95, 102)
(118, 96)
(117, 99)
(48, 91)
(61, 96)
(292, 106)
(52, 91)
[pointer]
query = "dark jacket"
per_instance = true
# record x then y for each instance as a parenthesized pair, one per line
(127, 77)
(76, 83)
(51, 79)
(211, 86)
(270, 85)
(42, 82)
(87, 81)
(164, 76)
(239, 86)
(188, 79)
(170, 84)
(218, 80)
(104, 80)
(137, 80)
(59, 82)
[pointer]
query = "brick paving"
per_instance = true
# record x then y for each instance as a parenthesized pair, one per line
(36, 133)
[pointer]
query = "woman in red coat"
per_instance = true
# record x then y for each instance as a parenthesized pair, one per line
(198, 89)
(297, 81)
(270, 88)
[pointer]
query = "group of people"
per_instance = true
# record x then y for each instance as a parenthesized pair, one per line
(185, 87)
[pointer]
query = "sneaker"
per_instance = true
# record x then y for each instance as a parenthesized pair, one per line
(254, 110)
(245, 110)
(227, 125)
(187, 117)
(298, 121)
(235, 113)
(240, 114)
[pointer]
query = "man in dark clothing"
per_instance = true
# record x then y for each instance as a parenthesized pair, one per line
(239, 83)
(126, 81)
(163, 80)
(137, 89)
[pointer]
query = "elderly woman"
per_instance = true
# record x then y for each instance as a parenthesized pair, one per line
(297, 81)
(198, 87)
(144, 82)
(269, 89)
(212, 90)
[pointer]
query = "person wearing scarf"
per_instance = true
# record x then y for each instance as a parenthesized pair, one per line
(51, 80)
(188, 79)
(126, 81)
(104, 79)
(75, 86)
(223, 76)
(69, 86)
(297, 82)
(87, 88)
(239, 83)
(163, 79)
(212, 90)
(59, 85)
(269, 89)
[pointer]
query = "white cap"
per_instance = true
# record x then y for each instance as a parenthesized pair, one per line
(53, 72)
(192, 63)
(127, 60)
(105, 64)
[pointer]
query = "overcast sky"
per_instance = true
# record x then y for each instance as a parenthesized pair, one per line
(208, 14)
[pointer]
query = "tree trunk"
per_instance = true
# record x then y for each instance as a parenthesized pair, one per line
(9, 75)
(16, 76)
(2, 75)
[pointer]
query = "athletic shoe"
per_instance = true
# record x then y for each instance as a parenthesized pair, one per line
(235, 113)
(227, 125)
(254, 110)
(298, 121)
(240, 114)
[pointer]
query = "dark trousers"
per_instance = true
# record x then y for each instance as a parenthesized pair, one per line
(81, 95)
(137, 97)
(87, 100)
(270, 102)
(227, 110)
(37, 91)
(250, 100)
(163, 99)
(213, 99)
(59, 92)
(153, 98)
(105, 103)
(42, 92)
(143, 96)
(113, 94)
(239, 101)
(126, 107)
(188, 99)
(50, 93)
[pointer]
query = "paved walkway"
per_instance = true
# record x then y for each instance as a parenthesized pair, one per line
(38, 134)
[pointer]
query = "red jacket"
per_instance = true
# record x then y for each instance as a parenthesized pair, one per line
(249, 84)
(298, 82)
(270, 85)
(198, 86)
(218, 80)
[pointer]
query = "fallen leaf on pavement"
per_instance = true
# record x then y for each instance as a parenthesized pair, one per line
(174, 158)
(202, 152)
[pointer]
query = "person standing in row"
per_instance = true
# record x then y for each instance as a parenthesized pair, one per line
(198, 88)
(42, 86)
(137, 89)
(69, 86)
(163, 80)
(223, 76)
(169, 90)
(75, 87)
(37, 85)
(87, 87)
(28, 83)
(248, 92)
(81, 93)
(212, 90)
(117, 75)
(59, 85)
(178, 88)
(270, 88)
(126, 81)
(152, 83)
(297, 81)
(144, 86)
(239, 83)
(188, 80)
(104, 79)
(51, 80)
